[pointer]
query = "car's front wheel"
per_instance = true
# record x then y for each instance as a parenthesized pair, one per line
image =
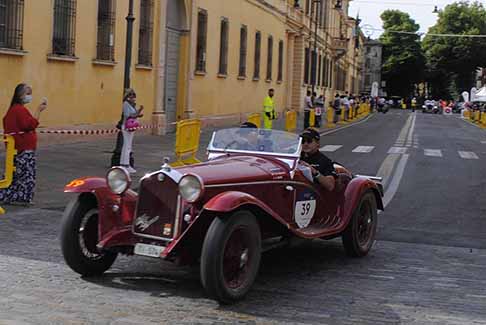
(79, 237)
(230, 256)
(359, 236)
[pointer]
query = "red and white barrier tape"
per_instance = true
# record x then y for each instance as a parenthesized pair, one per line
(85, 132)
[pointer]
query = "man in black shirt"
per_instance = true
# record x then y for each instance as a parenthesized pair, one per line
(322, 167)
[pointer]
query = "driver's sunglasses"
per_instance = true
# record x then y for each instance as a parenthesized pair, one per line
(133, 96)
(306, 140)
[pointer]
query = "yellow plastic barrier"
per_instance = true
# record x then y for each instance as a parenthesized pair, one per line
(187, 142)
(477, 116)
(312, 118)
(255, 119)
(483, 120)
(330, 118)
(9, 164)
(467, 114)
(291, 121)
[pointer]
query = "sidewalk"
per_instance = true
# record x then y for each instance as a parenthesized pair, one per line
(58, 164)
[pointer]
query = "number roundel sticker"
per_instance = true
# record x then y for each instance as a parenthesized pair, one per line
(304, 211)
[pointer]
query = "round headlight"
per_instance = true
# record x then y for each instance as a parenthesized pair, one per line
(190, 188)
(118, 180)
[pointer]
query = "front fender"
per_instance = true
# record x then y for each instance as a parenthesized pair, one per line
(85, 184)
(116, 212)
(229, 201)
(355, 190)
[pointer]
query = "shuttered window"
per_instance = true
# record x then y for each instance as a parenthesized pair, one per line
(258, 48)
(64, 35)
(105, 47)
(223, 47)
(269, 58)
(202, 36)
(11, 24)
(280, 60)
(145, 35)
(243, 51)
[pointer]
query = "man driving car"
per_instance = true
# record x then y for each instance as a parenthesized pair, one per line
(321, 166)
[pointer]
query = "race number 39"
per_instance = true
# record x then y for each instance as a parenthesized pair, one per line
(304, 211)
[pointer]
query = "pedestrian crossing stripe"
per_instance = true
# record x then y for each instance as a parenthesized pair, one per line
(433, 152)
(468, 155)
(364, 149)
(330, 148)
(398, 150)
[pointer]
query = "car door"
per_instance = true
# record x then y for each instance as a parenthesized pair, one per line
(315, 209)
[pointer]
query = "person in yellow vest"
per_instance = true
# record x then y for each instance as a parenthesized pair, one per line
(269, 110)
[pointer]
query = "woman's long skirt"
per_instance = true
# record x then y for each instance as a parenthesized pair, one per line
(23, 185)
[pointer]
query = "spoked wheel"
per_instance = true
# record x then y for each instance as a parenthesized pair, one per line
(231, 256)
(79, 237)
(359, 236)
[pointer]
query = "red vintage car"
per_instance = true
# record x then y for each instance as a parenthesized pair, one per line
(251, 195)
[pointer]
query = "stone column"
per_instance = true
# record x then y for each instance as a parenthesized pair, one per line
(159, 117)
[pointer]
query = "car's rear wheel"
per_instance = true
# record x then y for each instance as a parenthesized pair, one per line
(79, 237)
(231, 256)
(359, 236)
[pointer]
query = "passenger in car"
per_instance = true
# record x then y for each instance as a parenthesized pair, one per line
(321, 166)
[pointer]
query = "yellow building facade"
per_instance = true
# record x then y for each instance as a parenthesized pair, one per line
(60, 56)
(210, 59)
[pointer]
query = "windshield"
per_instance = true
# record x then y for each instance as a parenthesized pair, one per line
(261, 141)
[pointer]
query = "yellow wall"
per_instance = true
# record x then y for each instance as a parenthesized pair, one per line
(78, 92)
(212, 95)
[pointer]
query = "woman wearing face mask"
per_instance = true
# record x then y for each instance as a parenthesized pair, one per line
(129, 112)
(19, 122)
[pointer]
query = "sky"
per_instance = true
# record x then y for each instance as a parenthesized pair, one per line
(419, 10)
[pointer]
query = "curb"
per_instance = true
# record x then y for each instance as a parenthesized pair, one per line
(347, 126)
(472, 123)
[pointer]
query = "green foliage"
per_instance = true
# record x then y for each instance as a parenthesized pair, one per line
(456, 58)
(403, 59)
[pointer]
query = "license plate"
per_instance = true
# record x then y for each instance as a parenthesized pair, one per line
(148, 250)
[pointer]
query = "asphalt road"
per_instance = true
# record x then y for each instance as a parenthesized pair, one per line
(427, 267)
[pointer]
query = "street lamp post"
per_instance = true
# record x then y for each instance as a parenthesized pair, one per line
(128, 51)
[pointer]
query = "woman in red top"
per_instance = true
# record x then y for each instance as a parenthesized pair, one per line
(20, 123)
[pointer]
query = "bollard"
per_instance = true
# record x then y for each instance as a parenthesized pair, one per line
(330, 117)
(342, 117)
(312, 118)
(291, 121)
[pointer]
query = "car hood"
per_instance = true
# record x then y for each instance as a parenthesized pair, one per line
(237, 169)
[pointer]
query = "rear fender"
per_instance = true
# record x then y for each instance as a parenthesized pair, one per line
(116, 212)
(354, 191)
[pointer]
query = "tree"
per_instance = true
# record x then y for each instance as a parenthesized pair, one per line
(403, 59)
(456, 58)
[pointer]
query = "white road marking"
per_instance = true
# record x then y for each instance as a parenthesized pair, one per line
(483, 142)
(468, 155)
(410, 132)
(433, 152)
(330, 148)
(364, 149)
(399, 150)
(393, 187)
